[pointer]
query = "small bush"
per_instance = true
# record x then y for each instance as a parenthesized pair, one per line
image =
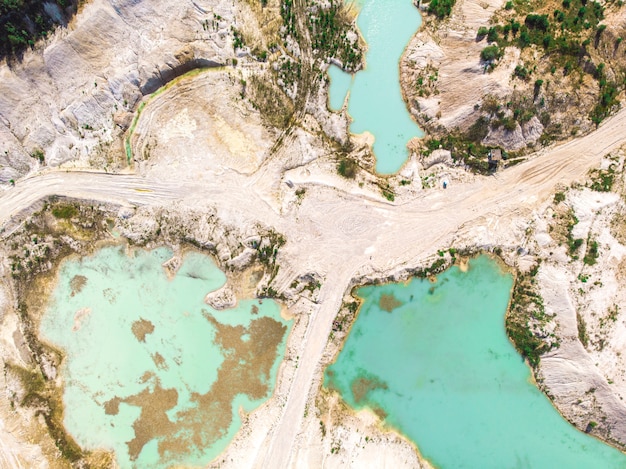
(509, 124)
(490, 53)
(602, 180)
(582, 330)
(492, 35)
(574, 245)
(592, 253)
(39, 155)
(521, 72)
(347, 168)
(537, 22)
(441, 8)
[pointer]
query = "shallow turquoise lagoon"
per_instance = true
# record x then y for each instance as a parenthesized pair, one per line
(442, 369)
(375, 102)
(339, 86)
(151, 371)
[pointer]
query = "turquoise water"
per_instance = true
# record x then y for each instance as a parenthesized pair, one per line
(151, 372)
(339, 86)
(442, 369)
(375, 102)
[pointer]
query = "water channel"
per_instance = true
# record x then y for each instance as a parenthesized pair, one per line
(375, 103)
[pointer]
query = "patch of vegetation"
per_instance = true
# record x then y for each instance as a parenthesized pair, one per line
(36, 249)
(559, 197)
(43, 395)
(582, 330)
(312, 286)
(565, 36)
(491, 53)
(426, 82)
(387, 192)
(441, 8)
(573, 246)
(347, 167)
(562, 232)
(602, 180)
(267, 251)
(275, 107)
(346, 316)
(611, 316)
(592, 253)
(526, 318)
(39, 155)
(329, 24)
(465, 147)
(238, 40)
(23, 22)
(64, 211)
(608, 96)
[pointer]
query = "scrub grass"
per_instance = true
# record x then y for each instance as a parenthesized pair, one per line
(526, 319)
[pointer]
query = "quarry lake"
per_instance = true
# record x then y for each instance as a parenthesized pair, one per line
(434, 362)
(375, 104)
(150, 371)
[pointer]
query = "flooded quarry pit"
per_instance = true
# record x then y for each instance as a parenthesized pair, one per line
(433, 361)
(150, 371)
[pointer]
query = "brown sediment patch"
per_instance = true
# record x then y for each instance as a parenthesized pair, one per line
(245, 370)
(142, 328)
(388, 302)
(254, 309)
(362, 385)
(432, 278)
(112, 406)
(109, 295)
(380, 412)
(77, 284)
(147, 376)
(153, 420)
(159, 361)
(464, 264)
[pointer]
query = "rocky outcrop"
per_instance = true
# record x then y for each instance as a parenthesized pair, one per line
(516, 139)
(224, 298)
(442, 76)
(437, 157)
(69, 99)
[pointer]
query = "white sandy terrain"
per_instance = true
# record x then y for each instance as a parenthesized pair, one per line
(587, 381)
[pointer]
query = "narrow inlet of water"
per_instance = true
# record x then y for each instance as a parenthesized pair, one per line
(375, 104)
(339, 85)
(434, 361)
(150, 371)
